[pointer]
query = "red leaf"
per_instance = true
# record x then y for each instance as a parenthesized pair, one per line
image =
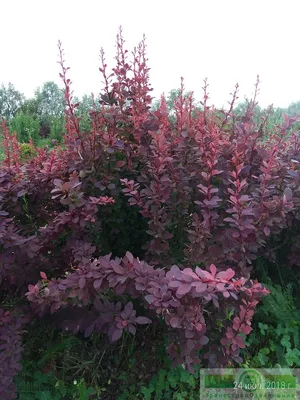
(226, 275)
(199, 327)
(213, 269)
(32, 289)
(215, 251)
(206, 276)
(229, 333)
(246, 329)
(120, 164)
(129, 256)
(220, 286)
(239, 340)
(216, 172)
(43, 275)
(189, 272)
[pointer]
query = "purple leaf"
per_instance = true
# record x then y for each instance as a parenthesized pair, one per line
(128, 308)
(213, 269)
(97, 283)
(149, 298)
(174, 284)
(239, 340)
(190, 272)
(132, 329)
(174, 322)
(206, 276)
(183, 289)
(143, 320)
(82, 282)
(116, 335)
(88, 331)
(204, 340)
(200, 287)
(226, 275)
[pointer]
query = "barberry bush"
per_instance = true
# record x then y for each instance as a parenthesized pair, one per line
(145, 217)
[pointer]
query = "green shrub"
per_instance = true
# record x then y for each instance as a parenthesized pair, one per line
(274, 341)
(26, 127)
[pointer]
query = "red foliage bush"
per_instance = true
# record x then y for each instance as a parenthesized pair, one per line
(11, 329)
(181, 297)
(208, 190)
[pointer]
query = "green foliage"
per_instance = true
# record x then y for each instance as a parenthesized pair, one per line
(241, 108)
(170, 100)
(170, 384)
(57, 129)
(50, 105)
(275, 339)
(27, 151)
(40, 379)
(120, 230)
(30, 107)
(45, 386)
(51, 101)
(26, 126)
(69, 366)
(47, 109)
(85, 105)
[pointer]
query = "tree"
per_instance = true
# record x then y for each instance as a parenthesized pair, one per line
(85, 106)
(10, 101)
(171, 98)
(50, 109)
(293, 109)
(51, 102)
(240, 109)
(30, 107)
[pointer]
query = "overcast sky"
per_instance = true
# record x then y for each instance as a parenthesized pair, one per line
(227, 41)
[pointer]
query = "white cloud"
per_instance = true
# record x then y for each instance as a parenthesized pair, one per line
(227, 41)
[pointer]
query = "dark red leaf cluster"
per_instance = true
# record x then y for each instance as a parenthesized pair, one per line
(181, 297)
(11, 329)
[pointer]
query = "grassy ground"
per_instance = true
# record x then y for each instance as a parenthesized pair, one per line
(62, 367)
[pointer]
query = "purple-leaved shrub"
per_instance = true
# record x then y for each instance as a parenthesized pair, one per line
(207, 191)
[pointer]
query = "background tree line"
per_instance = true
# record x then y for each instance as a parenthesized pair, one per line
(41, 118)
